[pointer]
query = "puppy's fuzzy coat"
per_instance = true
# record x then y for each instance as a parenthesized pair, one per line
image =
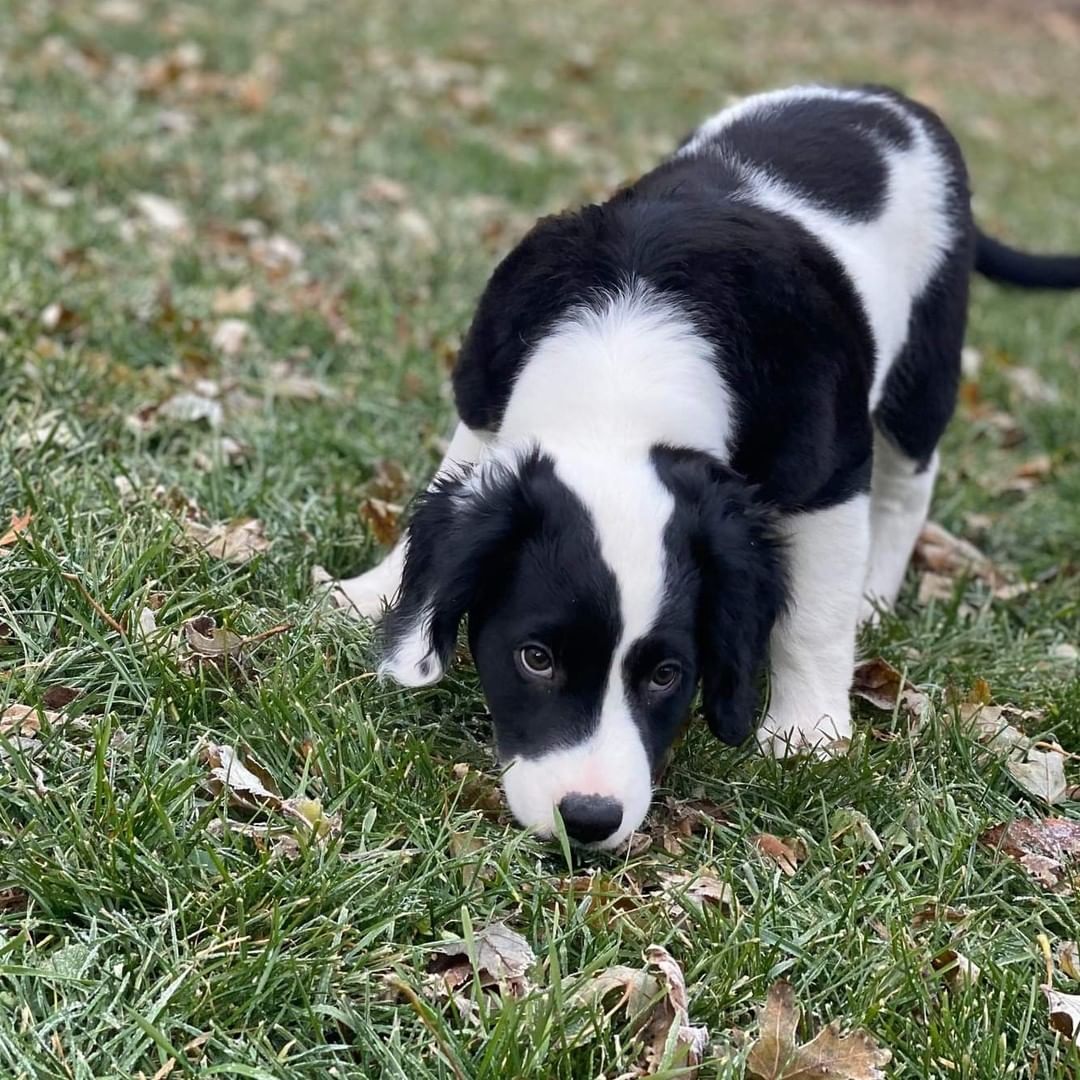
(698, 437)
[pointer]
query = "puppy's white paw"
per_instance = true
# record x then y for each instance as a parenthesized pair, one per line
(366, 596)
(824, 733)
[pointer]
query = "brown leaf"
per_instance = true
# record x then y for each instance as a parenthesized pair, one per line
(1047, 848)
(942, 553)
(499, 956)
(236, 542)
(1064, 1013)
(13, 899)
(384, 189)
(247, 785)
(654, 1002)
(879, 683)
(787, 854)
(1068, 958)
(933, 913)
(477, 791)
(776, 1055)
(161, 214)
(19, 522)
(230, 336)
(1031, 385)
(25, 720)
(956, 969)
(206, 638)
(238, 301)
(699, 888)
(284, 381)
(934, 586)
(383, 519)
(391, 481)
(1042, 774)
(56, 697)
(668, 1027)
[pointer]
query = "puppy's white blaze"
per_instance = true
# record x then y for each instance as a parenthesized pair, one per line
(591, 397)
(412, 661)
(613, 762)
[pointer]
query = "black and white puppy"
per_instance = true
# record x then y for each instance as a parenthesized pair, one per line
(698, 438)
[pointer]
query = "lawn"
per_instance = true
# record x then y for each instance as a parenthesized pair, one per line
(239, 244)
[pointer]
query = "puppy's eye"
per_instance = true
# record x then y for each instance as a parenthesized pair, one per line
(664, 677)
(535, 661)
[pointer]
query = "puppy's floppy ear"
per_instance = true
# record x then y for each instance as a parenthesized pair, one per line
(739, 557)
(457, 529)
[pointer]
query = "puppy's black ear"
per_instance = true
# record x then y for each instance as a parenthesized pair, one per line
(456, 532)
(739, 557)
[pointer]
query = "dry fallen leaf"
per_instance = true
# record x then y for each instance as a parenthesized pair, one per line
(499, 956)
(671, 1041)
(698, 889)
(284, 381)
(25, 720)
(787, 854)
(1031, 385)
(1047, 848)
(1039, 770)
(236, 542)
(1064, 1013)
(934, 586)
(247, 784)
(56, 697)
(14, 899)
(956, 969)
(48, 429)
(879, 683)
(250, 787)
(654, 1003)
(19, 523)
(238, 301)
(939, 551)
(1042, 774)
(206, 638)
(383, 519)
(161, 214)
(776, 1055)
(675, 821)
(230, 336)
(1068, 958)
(477, 791)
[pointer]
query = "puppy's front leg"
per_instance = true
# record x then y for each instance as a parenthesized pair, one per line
(369, 594)
(812, 648)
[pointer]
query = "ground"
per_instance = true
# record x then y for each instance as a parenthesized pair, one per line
(329, 183)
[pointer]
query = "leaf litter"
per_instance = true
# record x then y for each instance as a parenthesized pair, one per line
(1048, 848)
(654, 1001)
(946, 559)
(879, 683)
(776, 1054)
(249, 787)
(1039, 769)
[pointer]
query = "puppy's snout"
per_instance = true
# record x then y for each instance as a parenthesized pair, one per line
(590, 818)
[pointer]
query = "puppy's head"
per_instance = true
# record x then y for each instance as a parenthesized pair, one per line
(599, 594)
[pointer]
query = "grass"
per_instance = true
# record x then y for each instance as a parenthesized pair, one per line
(137, 927)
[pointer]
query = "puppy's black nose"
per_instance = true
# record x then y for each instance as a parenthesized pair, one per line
(590, 818)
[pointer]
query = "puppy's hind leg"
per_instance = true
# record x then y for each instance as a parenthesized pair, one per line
(369, 594)
(812, 649)
(900, 495)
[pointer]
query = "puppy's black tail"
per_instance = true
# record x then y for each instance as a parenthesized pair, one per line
(1007, 265)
